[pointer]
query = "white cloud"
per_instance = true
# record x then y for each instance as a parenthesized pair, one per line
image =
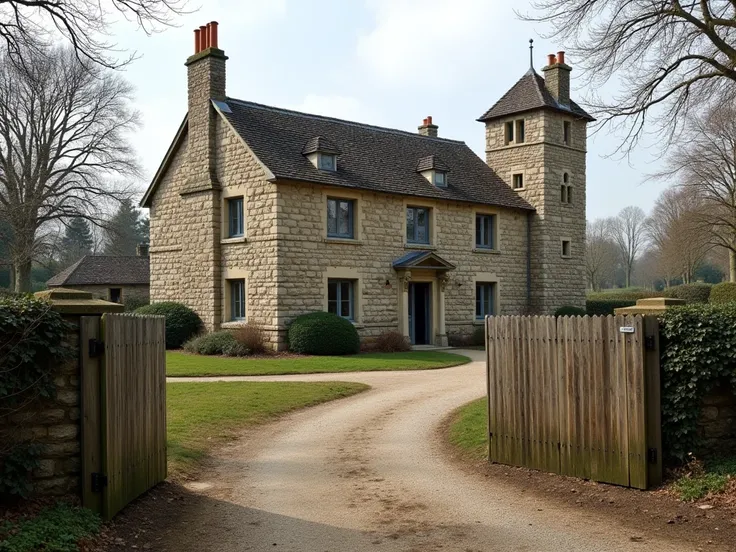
(429, 39)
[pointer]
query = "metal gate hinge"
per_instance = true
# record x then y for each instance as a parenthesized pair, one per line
(99, 482)
(96, 347)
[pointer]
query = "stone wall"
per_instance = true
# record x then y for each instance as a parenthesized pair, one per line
(717, 423)
(543, 159)
(55, 425)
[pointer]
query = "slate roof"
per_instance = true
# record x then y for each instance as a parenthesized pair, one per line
(103, 270)
(371, 158)
(432, 162)
(527, 94)
(320, 144)
(413, 258)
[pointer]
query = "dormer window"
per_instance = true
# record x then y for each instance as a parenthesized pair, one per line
(327, 162)
(440, 179)
(321, 153)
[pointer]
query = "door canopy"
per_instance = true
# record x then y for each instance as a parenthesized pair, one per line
(426, 260)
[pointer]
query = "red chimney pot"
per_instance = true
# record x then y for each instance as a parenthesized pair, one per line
(560, 57)
(203, 37)
(429, 119)
(213, 34)
(424, 122)
(197, 46)
(551, 59)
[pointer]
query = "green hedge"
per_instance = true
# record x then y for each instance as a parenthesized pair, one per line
(629, 294)
(181, 321)
(570, 311)
(603, 307)
(698, 293)
(698, 350)
(725, 292)
(323, 333)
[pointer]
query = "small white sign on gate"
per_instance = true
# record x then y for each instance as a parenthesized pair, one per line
(626, 329)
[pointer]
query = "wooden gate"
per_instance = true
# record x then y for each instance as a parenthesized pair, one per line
(123, 409)
(577, 396)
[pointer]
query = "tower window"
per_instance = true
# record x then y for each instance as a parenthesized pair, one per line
(509, 133)
(518, 181)
(563, 194)
(566, 133)
(565, 248)
(520, 131)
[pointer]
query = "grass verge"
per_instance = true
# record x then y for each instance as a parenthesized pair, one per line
(203, 415)
(468, 429)
(702, 480)
(182, 364)
(59, 528)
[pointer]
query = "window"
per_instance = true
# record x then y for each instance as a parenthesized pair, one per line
(485, 299)
(566, 133)
(116, 295)
(235, 217)
(417, 225)
(509, 133)
(518, 181)
(340, 218)
(341, 298)
(440, 179)
(565, 248)
(326, 162)
(566, 189)
(484, 231)
(237, 299)
(520, 131)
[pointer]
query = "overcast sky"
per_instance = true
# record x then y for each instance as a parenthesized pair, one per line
(384, 62)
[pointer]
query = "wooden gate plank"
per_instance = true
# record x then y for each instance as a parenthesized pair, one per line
(637, 414)
(89, 328)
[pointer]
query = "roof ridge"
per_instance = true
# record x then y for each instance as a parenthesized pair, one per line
(67, 272)
(344, 121)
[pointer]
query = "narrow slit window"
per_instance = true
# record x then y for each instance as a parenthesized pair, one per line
(235, 217)
(518, 181)
(565, 248)
(509, 132)
(566, 133)
(520, 134)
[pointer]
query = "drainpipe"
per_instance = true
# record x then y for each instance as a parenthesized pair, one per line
(529, 262)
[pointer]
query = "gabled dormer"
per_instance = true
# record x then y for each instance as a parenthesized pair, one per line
(321, 153)
(434, 170)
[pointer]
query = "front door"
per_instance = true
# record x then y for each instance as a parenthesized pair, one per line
(419, 313)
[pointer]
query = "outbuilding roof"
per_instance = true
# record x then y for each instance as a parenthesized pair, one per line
(104, 270)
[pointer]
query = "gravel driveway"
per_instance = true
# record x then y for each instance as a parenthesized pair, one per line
(371, 473)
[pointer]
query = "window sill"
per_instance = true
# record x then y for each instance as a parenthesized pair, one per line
(348, 241)
(483, 251)
(423, 246)
(565, 256)
(233, 324)
(519, 189)
(239, 239)
(477, 322)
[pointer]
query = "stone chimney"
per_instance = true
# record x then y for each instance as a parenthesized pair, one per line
(557, 78)
(205, 82)
(141, 250)
(427, 128)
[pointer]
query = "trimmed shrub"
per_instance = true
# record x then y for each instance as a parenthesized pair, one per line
(217, 343)
(134, 303)
(725, 292)
(478, 337)
(181, 321)
(626, 294)
(251, 338)
(692, 293)
(698, 351)
(570, 311)
(604, 307)
(323, 333)
(391, 342)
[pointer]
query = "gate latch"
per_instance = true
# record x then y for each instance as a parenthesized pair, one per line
(99, 482)
(649, 343)
(96, 347)
(652, 455)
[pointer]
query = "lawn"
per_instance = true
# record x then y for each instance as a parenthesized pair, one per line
(183, 364)
(468, 429)
(203, 415)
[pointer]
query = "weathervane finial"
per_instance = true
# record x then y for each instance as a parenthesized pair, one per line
(531, 53)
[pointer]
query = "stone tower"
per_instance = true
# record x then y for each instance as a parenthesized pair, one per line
(200, 196)
(536, 142)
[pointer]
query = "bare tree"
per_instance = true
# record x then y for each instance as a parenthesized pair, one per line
(628, 232)
(677, 229)
(668, 57)
(82, 22)
(705, 162)
(600, 253)
(63, 137)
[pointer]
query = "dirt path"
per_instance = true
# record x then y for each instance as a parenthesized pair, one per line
(370, 473)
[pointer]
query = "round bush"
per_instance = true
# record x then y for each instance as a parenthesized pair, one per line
(323, 333)
(692, 293)
(725, 292)
(569, 310)
(215, 343)
(181, 321)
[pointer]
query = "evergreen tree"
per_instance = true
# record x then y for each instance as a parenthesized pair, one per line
(77, 241)
(126, 229)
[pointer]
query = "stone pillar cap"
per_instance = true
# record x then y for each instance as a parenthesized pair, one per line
(651, 305)
(73, 301)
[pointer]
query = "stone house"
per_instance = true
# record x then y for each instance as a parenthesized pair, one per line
(119, 279)
(260, 214)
